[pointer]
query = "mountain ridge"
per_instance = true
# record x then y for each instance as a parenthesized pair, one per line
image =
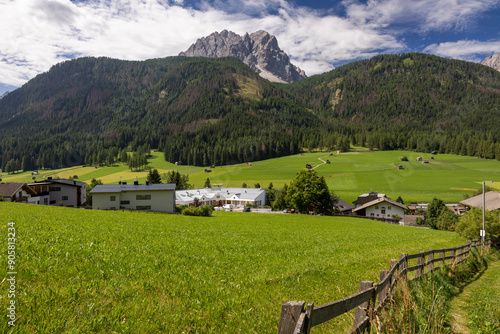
(258, 50)
(216, 111)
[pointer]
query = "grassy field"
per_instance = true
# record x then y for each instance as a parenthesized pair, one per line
(102, 271)
(477, 308)
(448, 177)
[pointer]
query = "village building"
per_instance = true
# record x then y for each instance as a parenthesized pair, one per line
(219, 197)
(146, 197)
(492, 201)
(381, 208)
(343, 206)
(60, 192)
(365, 198)
(17, 192)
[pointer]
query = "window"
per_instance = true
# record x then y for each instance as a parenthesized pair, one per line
(65, 198)
(376, 207)
(382, 211)
(112, 198)
(142, 197)
(124, 202)
(389, 208)
(54, 188)
(143, 207)
(372, 214)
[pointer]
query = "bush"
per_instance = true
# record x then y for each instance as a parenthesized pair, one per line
(203, 211)
(472, 222)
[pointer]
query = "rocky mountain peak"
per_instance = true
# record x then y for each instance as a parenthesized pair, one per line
(493, 61)
(259, 50)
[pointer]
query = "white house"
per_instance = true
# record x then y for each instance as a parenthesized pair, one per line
(147, 197)
(381, 208)
(235, 197)
(67, 193)
(16, 192)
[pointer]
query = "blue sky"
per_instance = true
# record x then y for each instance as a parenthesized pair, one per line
(317, 35)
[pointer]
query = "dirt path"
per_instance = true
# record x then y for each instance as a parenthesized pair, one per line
(471, 310)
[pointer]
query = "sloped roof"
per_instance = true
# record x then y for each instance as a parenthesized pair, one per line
(188, 195)
(492, 200)
(60, 181)
(343, 205)
(116, 188)
(9, 189)
(378, 201)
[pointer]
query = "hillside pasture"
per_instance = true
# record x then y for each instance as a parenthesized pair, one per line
(449, 177)
(113, 271)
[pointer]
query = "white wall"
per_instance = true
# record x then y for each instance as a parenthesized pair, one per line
(390, 210)
(162, 201)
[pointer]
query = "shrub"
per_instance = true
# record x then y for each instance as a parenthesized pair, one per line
(204, 211)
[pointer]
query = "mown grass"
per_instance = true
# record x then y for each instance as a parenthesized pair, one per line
(102, 271)
(478, 305)
(448, 177)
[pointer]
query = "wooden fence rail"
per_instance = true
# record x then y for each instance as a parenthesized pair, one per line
(372, 297)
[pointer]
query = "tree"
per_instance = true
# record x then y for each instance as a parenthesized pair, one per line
(309, 192)
(447, 221)
(207, 183)
(471, 223)
(270, 186)
(244, 185)
(153, 176)
(400, 200)
(181, 181)
(257, 185)
(436, 206)
(94, 182)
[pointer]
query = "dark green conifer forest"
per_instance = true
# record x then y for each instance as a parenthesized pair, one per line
(202, 111)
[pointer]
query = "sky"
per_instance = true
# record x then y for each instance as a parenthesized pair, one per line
(317, 35)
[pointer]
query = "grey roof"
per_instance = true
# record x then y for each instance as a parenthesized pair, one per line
(59, 181)
(378, 201)
(187, 195)
(116, 188)
(492, 200)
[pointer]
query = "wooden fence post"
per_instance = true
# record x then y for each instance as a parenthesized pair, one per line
(362, 310)
(290, 313)
(441, 257)
(393, 278)
(382, 295)
(403, 266)
(309, 315)
(460, 250)
(420, 263)
(430, 264)
(453, 259)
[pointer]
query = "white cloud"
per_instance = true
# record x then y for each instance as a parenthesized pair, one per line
(39, 33)
(466, 50)
(425, 15)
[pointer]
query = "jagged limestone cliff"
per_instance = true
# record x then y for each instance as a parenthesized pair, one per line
(258, 50)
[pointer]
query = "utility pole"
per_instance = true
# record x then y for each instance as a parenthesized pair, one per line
(483, 231)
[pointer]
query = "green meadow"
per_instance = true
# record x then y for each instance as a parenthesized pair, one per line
(83, 271)
(449, 177)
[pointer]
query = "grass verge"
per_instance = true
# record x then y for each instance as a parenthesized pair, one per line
(424, 306)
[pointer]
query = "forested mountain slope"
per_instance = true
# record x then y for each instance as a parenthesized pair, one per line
(414, 101)
(199, 110)
(205, 111)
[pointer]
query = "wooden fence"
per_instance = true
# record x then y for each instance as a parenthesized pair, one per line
(372, 297)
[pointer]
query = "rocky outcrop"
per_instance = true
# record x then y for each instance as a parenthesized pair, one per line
(4, 95)
(258, 50)
(493, 61)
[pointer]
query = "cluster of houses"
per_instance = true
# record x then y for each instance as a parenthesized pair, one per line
(164, 198)
(60, 192)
